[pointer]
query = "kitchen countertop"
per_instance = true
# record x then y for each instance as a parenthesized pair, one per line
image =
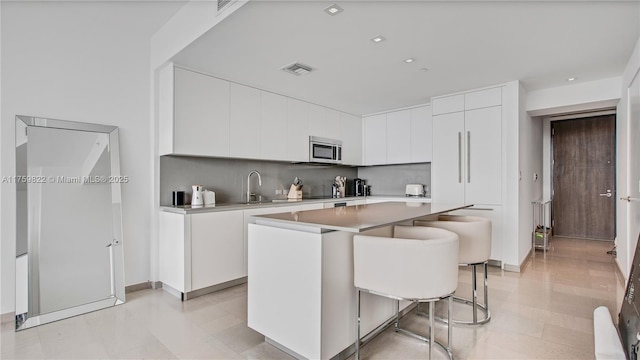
(358, 218)
(188, 209)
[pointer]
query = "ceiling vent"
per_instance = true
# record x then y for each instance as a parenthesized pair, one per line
(298, 69)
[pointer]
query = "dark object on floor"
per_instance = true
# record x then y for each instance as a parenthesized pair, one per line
(629, 317)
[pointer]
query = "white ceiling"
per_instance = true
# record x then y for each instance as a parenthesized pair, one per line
(465, 45)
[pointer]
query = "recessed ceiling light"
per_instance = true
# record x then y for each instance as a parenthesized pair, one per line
(424, 69)
(571, 79)
(378, 39)
(409, 60)
(333, 10)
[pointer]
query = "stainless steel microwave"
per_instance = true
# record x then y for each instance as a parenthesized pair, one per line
(322, 150)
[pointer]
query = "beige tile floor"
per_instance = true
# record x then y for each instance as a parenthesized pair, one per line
(545, 312)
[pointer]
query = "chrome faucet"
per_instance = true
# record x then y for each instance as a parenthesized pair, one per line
(249, 194)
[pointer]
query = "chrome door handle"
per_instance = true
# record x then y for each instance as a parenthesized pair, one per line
(607, 194)
(629, 199)
(459, 157)
(468, 156)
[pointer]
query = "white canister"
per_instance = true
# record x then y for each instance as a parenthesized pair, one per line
(209, 197)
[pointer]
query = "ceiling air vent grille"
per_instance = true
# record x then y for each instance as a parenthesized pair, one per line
(223, 3)
(298, 69)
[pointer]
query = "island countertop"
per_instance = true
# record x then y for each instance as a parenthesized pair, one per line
(359, 218)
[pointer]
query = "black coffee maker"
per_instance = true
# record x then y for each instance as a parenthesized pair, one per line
(358, 187)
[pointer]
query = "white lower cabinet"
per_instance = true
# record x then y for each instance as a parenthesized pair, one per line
(217, 253)
(174, 253)
(200, 250)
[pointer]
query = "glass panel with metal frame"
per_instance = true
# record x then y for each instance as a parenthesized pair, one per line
(69, 255)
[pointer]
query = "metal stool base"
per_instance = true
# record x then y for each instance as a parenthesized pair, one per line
(442, 347)
(430, 340)
(471, 302)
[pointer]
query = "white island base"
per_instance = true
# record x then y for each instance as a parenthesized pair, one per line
(301, 294)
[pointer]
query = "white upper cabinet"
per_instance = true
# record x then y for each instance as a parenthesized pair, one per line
(399, 137)
(202, 115)
(165, 110)
(375, 139)
(447, 104)
(194, 113)
(317, 125)
(483, 174)
(483, 98)
(324, 122)
(447, 168)
(244, 122)
(333, 124)
(421, 134)
(351, 139)
(467, 150)
(273, 126)
(297, 130)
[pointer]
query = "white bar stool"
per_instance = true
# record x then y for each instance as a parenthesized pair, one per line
(475, 249)
(424, 268)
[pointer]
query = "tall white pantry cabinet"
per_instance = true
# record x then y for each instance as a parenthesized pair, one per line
(467, 164)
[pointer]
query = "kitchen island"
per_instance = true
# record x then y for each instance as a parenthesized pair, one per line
(301, 295)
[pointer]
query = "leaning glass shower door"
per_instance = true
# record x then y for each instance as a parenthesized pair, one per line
(71, 199)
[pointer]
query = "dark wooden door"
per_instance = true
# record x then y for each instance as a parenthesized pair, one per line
(583, 176)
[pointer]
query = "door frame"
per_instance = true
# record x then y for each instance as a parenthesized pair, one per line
(548, 128)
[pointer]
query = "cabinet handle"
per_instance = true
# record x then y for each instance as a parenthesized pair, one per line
(459, 157)
(468, 156)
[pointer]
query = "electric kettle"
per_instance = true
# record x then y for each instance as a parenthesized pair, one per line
(196, 196)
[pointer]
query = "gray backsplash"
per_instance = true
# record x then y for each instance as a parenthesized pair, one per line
(227, 177)
(391, 179)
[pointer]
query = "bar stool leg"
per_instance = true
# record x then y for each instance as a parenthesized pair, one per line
(486, 287)
(475, 294)
(449, 324)
(357, 324)
(431, 332)
(397, 314)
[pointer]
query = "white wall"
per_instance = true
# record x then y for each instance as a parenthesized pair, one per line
(530, 189)
(189, 23)
(579, 96)
(510, 161)
(5, 276)
(88, 62)
(626, 237)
